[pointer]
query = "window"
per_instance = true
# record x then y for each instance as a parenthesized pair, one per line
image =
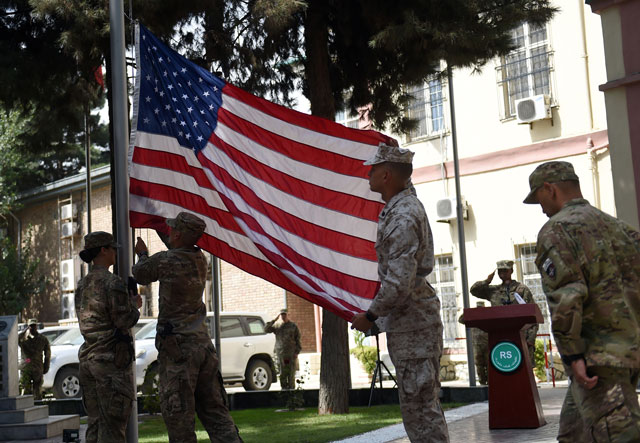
(443, 280)
(230, 327)
(256, 325)
(526, 71)
(531, 278)
(426, 107)
(348, 119)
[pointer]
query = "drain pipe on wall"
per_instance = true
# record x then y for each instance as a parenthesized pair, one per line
(592, 153)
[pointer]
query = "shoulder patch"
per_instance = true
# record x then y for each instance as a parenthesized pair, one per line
(549, 268)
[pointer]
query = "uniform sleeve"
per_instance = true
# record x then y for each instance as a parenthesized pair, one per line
(402, 242)
(481, 289)
(269, 326)
(526, 294)
(564, 286)
(124, 312)
(147, 268)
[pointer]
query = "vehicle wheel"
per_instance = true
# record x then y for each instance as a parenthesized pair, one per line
(258, 376)
(67, 384)
(151, 379)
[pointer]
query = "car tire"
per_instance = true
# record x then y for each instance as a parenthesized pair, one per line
(258, 376)
(67, 383)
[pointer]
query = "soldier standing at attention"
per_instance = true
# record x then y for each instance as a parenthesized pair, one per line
(590, 267)
(287, 348)
(34, 346)
(505, 294)
(411, 308)
(106, 312)
(190, 379)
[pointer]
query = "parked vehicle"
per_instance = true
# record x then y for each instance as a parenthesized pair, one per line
(247, 351)
(62, 377)
(53, 332)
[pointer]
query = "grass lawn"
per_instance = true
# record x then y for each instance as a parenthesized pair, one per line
(267, 425)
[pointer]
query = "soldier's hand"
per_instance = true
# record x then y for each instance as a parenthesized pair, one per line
(141, 246)
(490, 277)
(580, 376)
(360, 322)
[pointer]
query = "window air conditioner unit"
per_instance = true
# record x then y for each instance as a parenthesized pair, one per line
(68, 275)
(530, 109)
(68, 212)
(68, 229)
(68, 306)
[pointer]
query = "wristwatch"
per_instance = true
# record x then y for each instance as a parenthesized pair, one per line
(371, 316)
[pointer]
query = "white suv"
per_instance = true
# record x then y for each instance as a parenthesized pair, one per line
(247, 351)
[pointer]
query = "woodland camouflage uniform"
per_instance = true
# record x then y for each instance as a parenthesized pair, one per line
(590, 267)
(190, 379)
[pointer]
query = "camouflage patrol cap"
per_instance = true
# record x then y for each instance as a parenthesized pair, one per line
(284, 311)
(549, 172)
(388, 153)
(187, 222)
(32, 321)
(504, 264)
(99, 239)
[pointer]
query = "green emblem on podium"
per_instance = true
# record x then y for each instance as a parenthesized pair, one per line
(506, 357)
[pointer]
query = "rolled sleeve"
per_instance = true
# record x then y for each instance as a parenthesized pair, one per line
(146, 270)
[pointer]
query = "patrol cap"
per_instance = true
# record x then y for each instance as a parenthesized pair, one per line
(549, 172)
(32, 321)
(99, 239)
(504, 264)
(284, 311)
(388, 153)
(187, 222)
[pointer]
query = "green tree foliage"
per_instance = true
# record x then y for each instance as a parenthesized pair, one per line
(19, 277)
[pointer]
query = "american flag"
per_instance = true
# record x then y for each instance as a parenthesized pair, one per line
(284, 195)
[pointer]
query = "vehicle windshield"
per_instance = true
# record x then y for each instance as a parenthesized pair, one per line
(71, 337)
(148, 331)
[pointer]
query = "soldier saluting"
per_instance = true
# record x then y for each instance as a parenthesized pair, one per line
(34, 346)
(287, 347)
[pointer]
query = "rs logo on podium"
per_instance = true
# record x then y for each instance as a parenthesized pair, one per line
(506, 357)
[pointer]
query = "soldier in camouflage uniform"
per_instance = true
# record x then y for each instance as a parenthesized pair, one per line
(505, 294)
(480, 350)
(287, 348)
(105, 312)
(34, 346)
(408, 303)
(190, 379)
(590, 267)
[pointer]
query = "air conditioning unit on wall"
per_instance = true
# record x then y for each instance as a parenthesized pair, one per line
(69, 274)
(446, 210)
(530, 109)
(68, 306)
(68, 229)
(68, 212)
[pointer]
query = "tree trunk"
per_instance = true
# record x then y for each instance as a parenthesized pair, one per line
(335, 375)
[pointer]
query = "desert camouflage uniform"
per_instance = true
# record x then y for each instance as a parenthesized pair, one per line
(590, 267)
(411, 312)
(500, 295)
(287, 348)
(104, 305)
(190, 379)
(33, 348)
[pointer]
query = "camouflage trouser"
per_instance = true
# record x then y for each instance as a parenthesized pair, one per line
(108, 394)
(287, 369)
(608, 412)
(194, 384)
(481, 355)
(31, 381)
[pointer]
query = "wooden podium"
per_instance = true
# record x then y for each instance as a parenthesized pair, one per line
(513, 397)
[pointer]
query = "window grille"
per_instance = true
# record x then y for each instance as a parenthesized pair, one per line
(426, 108)
(442, 278)
(532, 279)
(526, 71)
